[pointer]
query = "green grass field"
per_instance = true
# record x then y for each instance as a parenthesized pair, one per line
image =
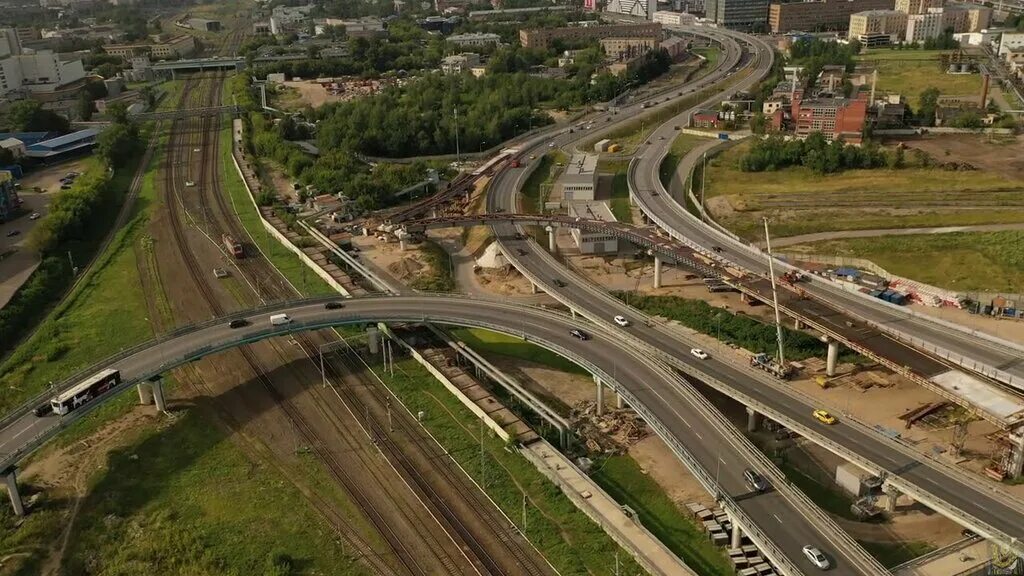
(619, 201)
(623, 479)
(965, 262)
(680, 146)
(487, 342)
(909, 72)
(799, 201)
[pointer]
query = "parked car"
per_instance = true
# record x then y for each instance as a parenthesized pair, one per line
(816, 557)
(576, 332)
(621, 321)
(238, 323)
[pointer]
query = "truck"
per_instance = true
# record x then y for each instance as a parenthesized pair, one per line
(233, 246)
(791, 277)
(770, 365)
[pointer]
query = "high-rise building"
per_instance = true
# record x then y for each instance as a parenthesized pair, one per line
(817, 15)
(641, 8)
(878, 22)
(917, 6)
(738, 14)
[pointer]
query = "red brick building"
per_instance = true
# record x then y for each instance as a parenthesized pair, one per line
(705, 119)
(835, 118)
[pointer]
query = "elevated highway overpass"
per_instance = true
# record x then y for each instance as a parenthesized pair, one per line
(986, 508)
(713, 450)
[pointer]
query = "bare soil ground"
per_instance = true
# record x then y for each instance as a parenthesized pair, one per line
(49, 178)
(301, 94)
(1003, 328)
(1000, 154)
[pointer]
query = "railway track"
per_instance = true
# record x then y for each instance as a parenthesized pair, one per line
(208, 184)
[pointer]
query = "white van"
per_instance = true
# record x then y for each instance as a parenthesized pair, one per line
(280, 320)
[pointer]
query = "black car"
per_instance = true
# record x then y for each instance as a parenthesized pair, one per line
(13, 233)
(558, 282)
(579, 334)
(755, 481)
(520, 236)
(520, 251)
(334, 305)
(238, 323)
(43, 410)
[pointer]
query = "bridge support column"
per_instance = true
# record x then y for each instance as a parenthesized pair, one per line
(373, 340)
(830, 359)
(552, 247)
(737, 535)
(1015, 462)
(158, 394)
(744, 298)
(12, 491)
(657, 271)
(401, 244)
(797, 324)
(145, 393)
(620, 402)
(753, 420)
(600, 396)
(534, 289)
(892, 495)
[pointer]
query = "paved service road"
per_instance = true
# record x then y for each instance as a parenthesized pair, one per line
(649, 381)
(982, 504)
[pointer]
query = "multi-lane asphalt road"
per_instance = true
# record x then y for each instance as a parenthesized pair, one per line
(646, 381)
(991, 511)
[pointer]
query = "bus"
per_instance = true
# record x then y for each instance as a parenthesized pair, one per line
(85, 391)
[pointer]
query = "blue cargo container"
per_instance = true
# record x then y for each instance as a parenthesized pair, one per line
(723, 136)
(845, 271)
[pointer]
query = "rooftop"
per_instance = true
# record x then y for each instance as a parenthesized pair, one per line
(581, 165)
(591, 210)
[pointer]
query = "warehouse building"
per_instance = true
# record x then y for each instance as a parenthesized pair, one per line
(579, 180)
(593, 242)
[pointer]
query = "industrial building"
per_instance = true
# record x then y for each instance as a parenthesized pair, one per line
(674, 18)
(737, 14)
(8, 196)
(285, 19)
(878, 27)
(819, 14)
(593, 242)
(61, 147)
(543, 37)
(474, 39)
(27, 72)
(579, 180)
(161, 46)
(835, 118)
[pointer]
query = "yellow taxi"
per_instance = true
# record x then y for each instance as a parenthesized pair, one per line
(824, 417)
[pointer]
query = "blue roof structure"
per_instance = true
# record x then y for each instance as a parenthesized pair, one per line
(63, 144)
(29, 138)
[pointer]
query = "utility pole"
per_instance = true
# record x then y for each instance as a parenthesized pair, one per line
(775, 294)
(703, 182)
(457, 155)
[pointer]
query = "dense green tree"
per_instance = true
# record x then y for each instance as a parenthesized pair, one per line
(929, 103)
(29, 116)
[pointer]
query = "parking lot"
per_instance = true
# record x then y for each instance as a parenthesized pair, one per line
(17, 260)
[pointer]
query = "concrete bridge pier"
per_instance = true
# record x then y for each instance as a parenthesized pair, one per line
(12, 491)
(832, 357)
(157, 387)
(737, 535)
(753, 420)
(401, 244)
(373, 340)
(145, 393)
(600, 396)
(1015, 462)
(534, 289)
(892, 494)
(552, 247)
(620, 402)
(798, 324)
(657, 271)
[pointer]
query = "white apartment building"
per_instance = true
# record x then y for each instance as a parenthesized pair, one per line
(921, 27)
(1011, 41)
(674, 18)
(475, 39)
(641, 8)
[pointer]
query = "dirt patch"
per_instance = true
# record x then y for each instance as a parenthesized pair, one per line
(657, 460)
(1000, 154)
(49, 178)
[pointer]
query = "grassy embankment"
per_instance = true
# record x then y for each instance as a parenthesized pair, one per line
(680, 147)
(800, 202)
(961, 261)
(201, 505)
(619, 201)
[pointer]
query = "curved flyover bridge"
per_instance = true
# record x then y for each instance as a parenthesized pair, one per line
(713, 450)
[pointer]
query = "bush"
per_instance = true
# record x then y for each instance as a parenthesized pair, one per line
(30, 303)
(775, 153)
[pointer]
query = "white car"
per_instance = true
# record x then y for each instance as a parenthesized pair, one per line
(551, 144)
(621, 321)
(34, 216)
(816, 557)
(699, 353)
(189, 183)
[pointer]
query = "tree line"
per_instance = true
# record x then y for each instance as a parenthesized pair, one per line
(816, 153)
